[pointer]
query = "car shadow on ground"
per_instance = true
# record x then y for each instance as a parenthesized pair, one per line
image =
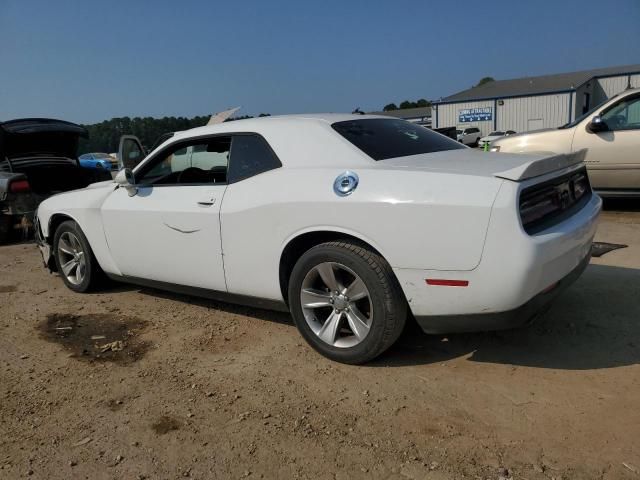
(594, 324)
(258, 313)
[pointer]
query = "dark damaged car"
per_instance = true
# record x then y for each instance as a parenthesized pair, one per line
(37, 160)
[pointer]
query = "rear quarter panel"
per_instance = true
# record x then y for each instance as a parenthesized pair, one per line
(414, 219)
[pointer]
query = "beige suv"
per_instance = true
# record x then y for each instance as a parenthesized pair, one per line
(610, 133)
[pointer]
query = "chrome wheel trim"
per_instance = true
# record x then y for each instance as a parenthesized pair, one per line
(72, 258)
(336, 305)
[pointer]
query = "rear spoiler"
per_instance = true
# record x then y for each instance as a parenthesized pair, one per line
(542, 165)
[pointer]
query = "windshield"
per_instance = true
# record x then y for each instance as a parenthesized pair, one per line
(458, 132)
(101, 155)
(496, 134)
(386, 138)
(585, 115)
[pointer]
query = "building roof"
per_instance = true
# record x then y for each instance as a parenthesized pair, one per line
(405, 113)
(537, 85)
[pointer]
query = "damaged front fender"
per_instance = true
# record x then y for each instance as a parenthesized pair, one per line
(44, 247)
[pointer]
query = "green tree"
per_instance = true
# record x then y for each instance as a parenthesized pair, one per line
(105, 136)
(407, 104)
(423, 103)
(484, 80)
(390, 107)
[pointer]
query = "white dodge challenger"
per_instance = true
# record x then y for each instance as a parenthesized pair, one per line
(351, 222)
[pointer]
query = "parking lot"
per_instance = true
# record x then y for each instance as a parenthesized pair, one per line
(136, 383)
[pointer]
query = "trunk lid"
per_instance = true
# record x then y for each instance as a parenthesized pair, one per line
(44, 150)
(34, 137)
(515, 167)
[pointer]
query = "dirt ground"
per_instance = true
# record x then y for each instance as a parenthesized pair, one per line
(134, 383)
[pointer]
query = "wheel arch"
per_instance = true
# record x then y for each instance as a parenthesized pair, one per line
(54, 222)
(302, 242)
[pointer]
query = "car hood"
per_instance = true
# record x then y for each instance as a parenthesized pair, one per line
(532, 132)
(40, 137)
(516, 167)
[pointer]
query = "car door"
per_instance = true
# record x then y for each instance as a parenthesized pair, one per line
(130, 152)
(613, 157)
(169, 229)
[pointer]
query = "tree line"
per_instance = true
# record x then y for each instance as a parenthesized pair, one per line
(406, 104)
(105, 136)
(423, 102)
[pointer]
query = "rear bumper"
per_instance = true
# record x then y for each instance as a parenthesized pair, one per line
(518, 317)
(505, 287)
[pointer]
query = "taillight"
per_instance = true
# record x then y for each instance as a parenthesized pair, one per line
(545, 204)
(19, 186)
(538, 206)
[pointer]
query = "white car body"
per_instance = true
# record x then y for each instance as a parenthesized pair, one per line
(612, 157)
(469, 136)
(494, 136)
(440, 216)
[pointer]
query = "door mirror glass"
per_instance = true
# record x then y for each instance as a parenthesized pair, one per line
(597, 124)
(131, 152)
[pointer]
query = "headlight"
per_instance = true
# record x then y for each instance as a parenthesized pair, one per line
(495, 149)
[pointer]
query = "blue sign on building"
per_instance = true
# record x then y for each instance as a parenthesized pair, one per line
(482, 114)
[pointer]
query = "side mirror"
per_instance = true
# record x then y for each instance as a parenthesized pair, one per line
(597, 124)
(125, 179)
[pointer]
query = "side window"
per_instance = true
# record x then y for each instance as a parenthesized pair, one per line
(250, 155)
(625, 115)
(187, 163)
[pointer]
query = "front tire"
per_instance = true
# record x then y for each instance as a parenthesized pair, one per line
(74, 258)
(346, 301)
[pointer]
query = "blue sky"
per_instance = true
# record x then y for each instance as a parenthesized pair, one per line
(87, 61)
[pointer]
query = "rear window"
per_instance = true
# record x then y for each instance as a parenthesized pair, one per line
(382, 138)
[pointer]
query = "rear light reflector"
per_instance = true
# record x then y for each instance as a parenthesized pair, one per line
(447, 283)
(19, 186)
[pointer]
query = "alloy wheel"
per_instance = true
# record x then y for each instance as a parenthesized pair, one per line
(72, 257)
(336, 304)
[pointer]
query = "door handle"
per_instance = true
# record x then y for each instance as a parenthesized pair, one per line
(207, 203)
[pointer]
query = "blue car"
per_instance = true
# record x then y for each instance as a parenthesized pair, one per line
(100, 161)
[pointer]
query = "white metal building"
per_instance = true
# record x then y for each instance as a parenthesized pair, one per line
(532, 103)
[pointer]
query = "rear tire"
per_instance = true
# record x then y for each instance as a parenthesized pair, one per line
(74, 258)
(366, 316)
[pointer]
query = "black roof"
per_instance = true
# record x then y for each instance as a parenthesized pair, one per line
(538, 85)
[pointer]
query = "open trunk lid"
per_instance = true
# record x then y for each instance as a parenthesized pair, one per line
(35, 137)
(45, 151)
(516, 167)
